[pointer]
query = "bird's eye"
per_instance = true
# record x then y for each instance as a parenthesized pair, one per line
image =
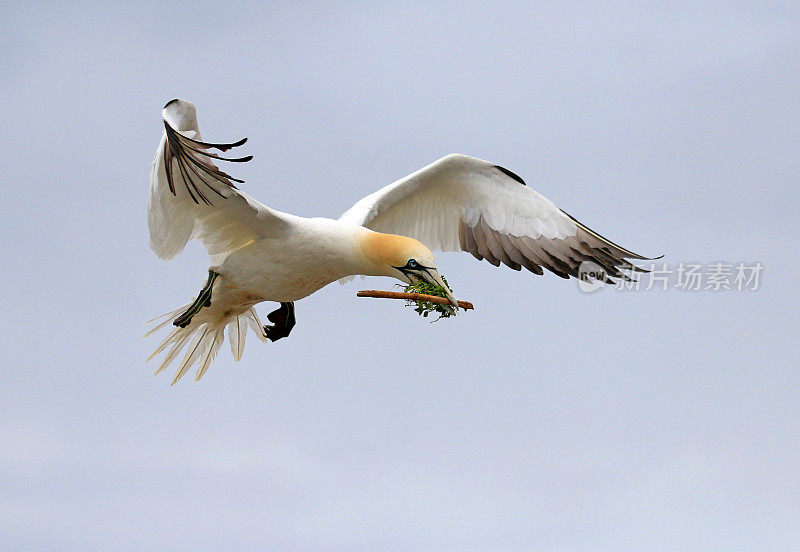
(412, 264)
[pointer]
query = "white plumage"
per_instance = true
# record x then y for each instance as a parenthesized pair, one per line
(460, 203)
(457, 203)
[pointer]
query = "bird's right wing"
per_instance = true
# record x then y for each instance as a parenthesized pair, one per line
(190, 197)
(460, 203)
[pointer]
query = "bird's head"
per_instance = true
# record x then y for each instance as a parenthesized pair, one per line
(403, 258)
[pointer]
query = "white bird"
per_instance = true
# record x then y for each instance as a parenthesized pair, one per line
(457, 203)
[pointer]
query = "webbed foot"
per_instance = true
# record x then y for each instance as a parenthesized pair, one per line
(203, 300)
(283, 321)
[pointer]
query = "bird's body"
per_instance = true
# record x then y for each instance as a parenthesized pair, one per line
(259, 254)
(307, 255)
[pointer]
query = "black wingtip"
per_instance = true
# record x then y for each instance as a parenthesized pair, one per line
(627, 253)
(641, 258)
(510, 174)
(169, 103)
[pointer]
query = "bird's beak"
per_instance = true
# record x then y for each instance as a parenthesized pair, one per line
(431, 275)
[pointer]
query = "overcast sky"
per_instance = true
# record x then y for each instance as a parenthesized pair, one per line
(548, 419)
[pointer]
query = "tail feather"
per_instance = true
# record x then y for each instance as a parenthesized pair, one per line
(210, 352)
(168, 341)
(192, 353)
(169, 317)
(255, 324)
(180, 342)
(237, 332)
(202, 340)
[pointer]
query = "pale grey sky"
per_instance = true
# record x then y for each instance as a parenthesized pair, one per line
(548, 419)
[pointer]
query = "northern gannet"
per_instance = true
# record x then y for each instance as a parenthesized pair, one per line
(458, 203)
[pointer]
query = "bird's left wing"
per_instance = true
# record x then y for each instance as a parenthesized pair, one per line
(190, 197)
(460, 203)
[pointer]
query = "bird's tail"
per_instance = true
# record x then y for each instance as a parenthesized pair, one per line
(202, 339)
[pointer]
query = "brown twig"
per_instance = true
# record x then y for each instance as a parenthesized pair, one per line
(466, 305)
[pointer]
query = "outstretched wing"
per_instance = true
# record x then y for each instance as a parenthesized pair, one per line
(190, 197)
(461, 203)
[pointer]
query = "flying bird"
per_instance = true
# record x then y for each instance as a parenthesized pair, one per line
(458, 203)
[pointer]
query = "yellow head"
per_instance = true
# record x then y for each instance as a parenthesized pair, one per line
(403, 258)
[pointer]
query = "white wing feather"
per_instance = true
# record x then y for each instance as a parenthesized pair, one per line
(460, 203)
(191, 198)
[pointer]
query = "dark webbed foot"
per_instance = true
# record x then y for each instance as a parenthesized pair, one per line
(283, 322)
(203, 300)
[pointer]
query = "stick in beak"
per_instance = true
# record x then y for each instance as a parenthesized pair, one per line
(431, 275)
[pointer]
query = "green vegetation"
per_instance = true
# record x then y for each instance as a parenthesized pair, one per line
(424, 308)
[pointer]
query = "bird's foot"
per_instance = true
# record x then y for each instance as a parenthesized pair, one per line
(203, 300)
(283, 321)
